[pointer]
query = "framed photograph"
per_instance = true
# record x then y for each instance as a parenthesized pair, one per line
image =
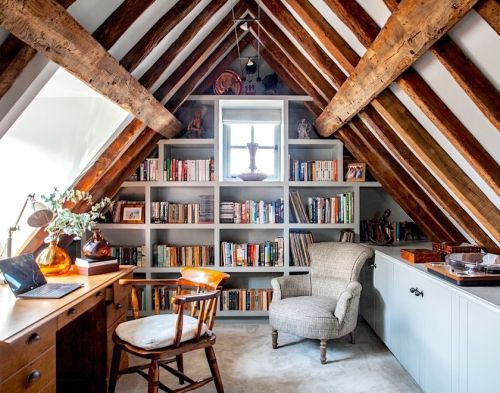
(355, 171)
(133, 213)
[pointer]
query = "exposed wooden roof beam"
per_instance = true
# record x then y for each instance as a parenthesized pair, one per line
(155, 34)
(407, 34)
(156, 70)
(48, 28)
(490, 11)
(428, 101)
(479, 89)
(197, 56)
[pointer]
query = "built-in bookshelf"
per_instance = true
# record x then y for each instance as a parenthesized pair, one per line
(258, 234)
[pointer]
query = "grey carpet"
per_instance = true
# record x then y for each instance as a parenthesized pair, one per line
(248, 364)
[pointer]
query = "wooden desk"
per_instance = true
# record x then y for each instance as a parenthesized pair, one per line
(75, 328)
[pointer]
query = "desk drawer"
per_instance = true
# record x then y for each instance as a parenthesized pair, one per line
(120, 291)
(116, 309)
(110, 344)
(27, 347)
(34, 376)
(78, 309)
(50, 388)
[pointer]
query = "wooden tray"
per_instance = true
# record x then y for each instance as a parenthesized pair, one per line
(475, 279)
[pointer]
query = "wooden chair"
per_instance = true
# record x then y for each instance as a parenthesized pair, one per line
(164, 338)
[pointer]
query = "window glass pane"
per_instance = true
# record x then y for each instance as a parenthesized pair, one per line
(264, 134)
(240, 159)
(240, 134)
(264, 160)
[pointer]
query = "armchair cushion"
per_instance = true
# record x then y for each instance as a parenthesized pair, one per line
(157, 331)
(305, 316)
(291, 286)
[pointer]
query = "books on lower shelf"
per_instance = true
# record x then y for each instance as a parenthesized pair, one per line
(173, 256)
(130, 255)
(338, 209)
(188, 170)
(183, 213)
(269, 253)
(299, 251)
(313, 170)
(164, 296)
(141, 298)
(252, 212)
(245, 299)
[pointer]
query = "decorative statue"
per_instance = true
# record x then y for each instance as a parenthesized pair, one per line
(303, 129)
(195, 126)
(380, 230)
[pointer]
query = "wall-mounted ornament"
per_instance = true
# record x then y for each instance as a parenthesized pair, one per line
(228, 83)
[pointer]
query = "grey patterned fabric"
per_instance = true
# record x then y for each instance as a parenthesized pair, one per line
(324, 303)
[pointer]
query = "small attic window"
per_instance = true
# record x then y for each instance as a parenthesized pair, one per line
(51, 143)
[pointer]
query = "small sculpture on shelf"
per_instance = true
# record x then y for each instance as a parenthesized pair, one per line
(254, 174)
(195, 127)
(380, 230)
(304, 129)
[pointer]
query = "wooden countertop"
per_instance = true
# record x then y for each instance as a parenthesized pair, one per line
(17, 315)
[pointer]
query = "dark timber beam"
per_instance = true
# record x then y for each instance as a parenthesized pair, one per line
(48, 28)
(407, 34)
(490, 12)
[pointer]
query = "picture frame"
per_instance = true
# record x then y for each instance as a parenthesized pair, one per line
(355, 171)
(132, 213)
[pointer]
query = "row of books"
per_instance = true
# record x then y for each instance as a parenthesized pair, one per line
(245, 299)
(172, 256)
(269, 253)
(252, 212)
(128, 255)
(188, 170)
(141, 298)
(164, 297)
(299, 248)
(178, 213)
(338, 209)
(313, 170)
(148, 170)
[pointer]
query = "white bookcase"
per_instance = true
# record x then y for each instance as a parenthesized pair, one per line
(190, 234)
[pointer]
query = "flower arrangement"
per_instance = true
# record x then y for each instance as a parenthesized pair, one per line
(66, 222)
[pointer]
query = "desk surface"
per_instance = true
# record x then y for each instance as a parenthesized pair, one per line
(17, 315)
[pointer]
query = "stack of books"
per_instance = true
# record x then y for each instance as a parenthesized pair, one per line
(297, 209)
(252, 212)
(206, 209)
(338, 209)
(313, 170)
(253, 254)
(299, 248)
(130, 255)
(91, 267)
(246, 299)
(188, 170)
(172, 256)
(175, 213)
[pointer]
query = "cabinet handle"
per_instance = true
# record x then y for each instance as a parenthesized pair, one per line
(419, 293)
(118, 306)
(412, 290)
(374, 265)
(33, 338)
(71, 311)
(34, 376)
(98, 294)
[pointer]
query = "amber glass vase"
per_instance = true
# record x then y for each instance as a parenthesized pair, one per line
(53, 260)
(96, 247)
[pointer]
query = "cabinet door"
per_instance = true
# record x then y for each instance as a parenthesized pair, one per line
(366, 300)
(482, 354)
(436, 345)
(406, 321)
(383, 282)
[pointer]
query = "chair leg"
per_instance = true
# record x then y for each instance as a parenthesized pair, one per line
(153, 376)
(180, 367)
(214, 369)
(115, 368)
(275, 338)
(322, 351)
(352, 337)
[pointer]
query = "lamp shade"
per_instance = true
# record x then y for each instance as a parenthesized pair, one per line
(40, 216)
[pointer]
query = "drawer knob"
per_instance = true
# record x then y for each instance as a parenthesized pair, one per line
(412, 290)
(98, 294)
(119, 306)
(33, 338)
(34, 376)
(72, 311)
(419, 293)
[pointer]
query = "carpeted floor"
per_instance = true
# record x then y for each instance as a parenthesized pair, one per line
(248, 364)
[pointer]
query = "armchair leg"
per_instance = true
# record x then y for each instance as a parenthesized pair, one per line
(322, 351)
(352, 337)
(275, 338)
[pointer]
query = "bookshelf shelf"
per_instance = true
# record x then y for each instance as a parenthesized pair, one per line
(325, 226)
(251, 184)
(181, 226)
(251, 226)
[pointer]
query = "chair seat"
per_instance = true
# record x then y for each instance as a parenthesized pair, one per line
(157, 331)
(305, 316)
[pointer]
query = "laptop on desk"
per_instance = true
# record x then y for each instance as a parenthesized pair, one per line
(27, 281)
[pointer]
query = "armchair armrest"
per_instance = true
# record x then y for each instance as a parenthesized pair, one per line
(291, 286)
(347, 304)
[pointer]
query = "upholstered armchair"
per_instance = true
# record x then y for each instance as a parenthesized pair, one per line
(324, 303)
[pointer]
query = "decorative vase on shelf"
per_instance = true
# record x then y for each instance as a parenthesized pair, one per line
(53, 260)
(253, 175)
(96, 247)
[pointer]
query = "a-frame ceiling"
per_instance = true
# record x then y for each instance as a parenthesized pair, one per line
(396, 131)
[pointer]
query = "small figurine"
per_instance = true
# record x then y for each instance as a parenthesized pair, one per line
(195, 126)
(303, 129)
(380, 232)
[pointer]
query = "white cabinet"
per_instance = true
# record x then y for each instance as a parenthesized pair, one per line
(383, 271)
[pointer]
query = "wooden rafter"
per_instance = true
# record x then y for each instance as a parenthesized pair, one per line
(197, 56)
(48, 28)
(479, 89)
(156, 70)
(155, 34)
(490, 12)
(428, 101)
(407, 34)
